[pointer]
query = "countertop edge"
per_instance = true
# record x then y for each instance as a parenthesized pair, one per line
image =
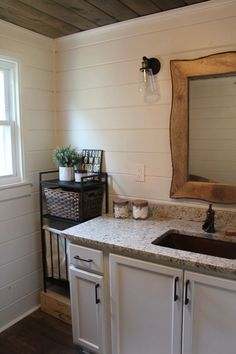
(181, 259)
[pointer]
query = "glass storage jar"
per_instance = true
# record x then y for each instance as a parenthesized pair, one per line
(140, 209)
(121, 208)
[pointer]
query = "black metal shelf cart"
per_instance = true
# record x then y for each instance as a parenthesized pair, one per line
(62, 205)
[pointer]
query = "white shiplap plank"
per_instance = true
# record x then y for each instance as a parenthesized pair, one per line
(17, 191)
(121, 140)
(17, 269)
(119, 73)
(97, 76)
(217, 123)
(38, 120)
(37, 99)
(214, 134)
(39, 160)
(19, 207)
(221, 145)
(160, 43)
(224, 157)
(18, 227)
(117, 96)
(39, 140)
(19, 289)
(26, 55)
(19, 307)
(207, 102)
(20, 247)
(143, 117)
(213, 112)
(155, 188)
(35, 78)
(156, 164)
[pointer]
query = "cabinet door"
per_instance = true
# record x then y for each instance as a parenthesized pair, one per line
(87, 309)
(209, 316)
(146, 307)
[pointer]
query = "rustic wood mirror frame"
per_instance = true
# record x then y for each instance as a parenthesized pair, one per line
(181, 70)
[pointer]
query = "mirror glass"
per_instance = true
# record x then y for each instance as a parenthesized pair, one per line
(212, 128)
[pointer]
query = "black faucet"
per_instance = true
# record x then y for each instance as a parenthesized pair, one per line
(208, 224)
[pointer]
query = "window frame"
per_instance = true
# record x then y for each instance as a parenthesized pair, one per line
(12, 119)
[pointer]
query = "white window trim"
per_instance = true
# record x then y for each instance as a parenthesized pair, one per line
(14, 111)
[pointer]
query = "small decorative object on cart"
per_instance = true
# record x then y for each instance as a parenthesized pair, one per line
(92, 161)
(66, 158)
(79, 175)
(140, 209)
(121, 208)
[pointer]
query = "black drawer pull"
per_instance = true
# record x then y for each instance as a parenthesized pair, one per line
(175, 289)
(83, 259)
(186, 299)
(97, 301)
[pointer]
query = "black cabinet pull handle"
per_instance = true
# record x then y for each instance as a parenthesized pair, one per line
(175, 289)
(186, 299)
(83, 259)
(97, 301)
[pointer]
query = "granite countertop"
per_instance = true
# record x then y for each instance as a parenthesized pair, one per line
(134, 238)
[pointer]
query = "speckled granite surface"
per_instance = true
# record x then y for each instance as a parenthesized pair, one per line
(134, 238)
(196, 213)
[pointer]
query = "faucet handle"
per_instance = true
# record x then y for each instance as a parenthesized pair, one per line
(208, 224)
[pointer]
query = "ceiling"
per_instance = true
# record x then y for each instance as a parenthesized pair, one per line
(57, 18)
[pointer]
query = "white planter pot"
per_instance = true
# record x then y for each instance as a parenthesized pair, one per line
(66, 173)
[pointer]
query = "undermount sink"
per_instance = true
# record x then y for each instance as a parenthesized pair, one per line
(176, 240)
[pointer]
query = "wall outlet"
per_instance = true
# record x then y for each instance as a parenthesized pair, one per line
(140, 172)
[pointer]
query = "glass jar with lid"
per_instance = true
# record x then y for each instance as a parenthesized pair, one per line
(121, 208)
(140, 209)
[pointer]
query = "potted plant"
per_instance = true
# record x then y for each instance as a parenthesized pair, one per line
(66, 158)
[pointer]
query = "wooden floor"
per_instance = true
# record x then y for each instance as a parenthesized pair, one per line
(38, 333)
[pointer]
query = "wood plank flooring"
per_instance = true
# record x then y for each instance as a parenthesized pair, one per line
(38, 333)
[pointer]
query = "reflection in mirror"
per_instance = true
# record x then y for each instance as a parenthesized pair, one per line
(212, 128)
(203, 128)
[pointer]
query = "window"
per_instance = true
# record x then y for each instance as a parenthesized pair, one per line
(10, 151)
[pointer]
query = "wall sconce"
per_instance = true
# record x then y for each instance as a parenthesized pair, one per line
(147, 84)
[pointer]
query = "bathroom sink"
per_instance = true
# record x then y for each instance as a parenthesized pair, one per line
(175, 240)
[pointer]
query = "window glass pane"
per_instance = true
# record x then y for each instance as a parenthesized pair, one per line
(6, 167)
(2, 97)
(10, 148)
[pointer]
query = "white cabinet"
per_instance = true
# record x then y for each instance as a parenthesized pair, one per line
(209, 316)
(156, 308)
(87, 309)
(87, 299)
(146, 307)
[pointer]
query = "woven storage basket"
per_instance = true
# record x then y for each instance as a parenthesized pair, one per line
(66, 204)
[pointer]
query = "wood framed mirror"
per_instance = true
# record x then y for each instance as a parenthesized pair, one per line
(203, 128)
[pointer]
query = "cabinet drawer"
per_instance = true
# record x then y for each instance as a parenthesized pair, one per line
(86, 258)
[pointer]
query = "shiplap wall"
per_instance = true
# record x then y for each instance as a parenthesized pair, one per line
(212, 129)
(98, 103)
(20, 249)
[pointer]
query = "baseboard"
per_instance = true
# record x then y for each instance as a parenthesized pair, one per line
(19, 318)
(56, 305)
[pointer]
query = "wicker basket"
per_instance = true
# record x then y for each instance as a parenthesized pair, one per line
(66, 204)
